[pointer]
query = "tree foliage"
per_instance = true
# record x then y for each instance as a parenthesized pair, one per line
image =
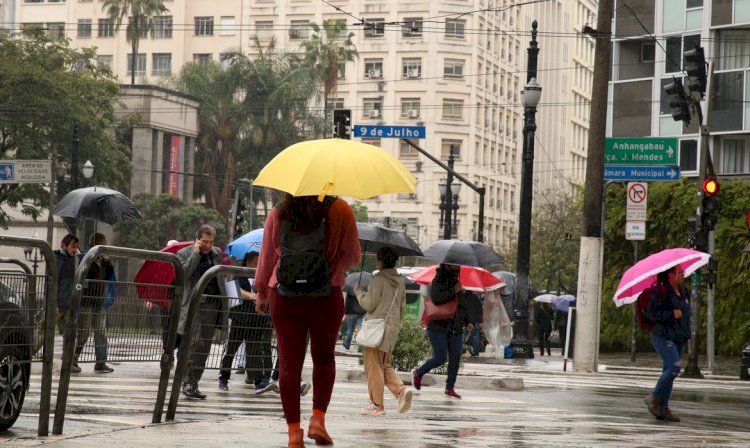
(166, 217)
(360, 211)
(669, 206)
(47, 92)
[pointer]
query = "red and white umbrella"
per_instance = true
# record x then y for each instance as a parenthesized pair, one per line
(643, 274)
(471, 278)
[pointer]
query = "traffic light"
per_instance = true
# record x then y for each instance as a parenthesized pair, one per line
(710, 203)
(711, 271)
(697, 237)
(679, 101)
(342, 123)
(695, 66)
(239, 218)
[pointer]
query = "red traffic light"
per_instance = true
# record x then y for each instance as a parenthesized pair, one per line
(710, 186)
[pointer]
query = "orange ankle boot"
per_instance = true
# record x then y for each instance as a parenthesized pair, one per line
(296, 438)
(317, 431)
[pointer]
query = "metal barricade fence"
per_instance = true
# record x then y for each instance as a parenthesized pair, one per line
(256, 331)
(27, 324)
(130, 322)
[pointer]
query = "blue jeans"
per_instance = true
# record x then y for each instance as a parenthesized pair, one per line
(445, 346)
(670, 354)
(352, 321)
(476, 346)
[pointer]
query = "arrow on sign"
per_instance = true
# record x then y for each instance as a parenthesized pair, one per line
(670, 151)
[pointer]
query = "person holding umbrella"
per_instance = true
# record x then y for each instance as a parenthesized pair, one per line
(668, 311)
(308, 243)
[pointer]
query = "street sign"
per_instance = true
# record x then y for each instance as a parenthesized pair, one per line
(635, 230)
(637, 200)
(643, 173)
(389, 131)
(25, 171)
(640, 151)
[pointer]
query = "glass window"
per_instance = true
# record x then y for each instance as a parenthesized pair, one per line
(227, 26)
(264, 29)
(741, 11)
(405, 150)
(453, 109)
(84, 28)
(734, 50)
(162, 64)
(341, 70)
(104, 60)
(300, 29)
(56, 30)
(374, 28)
(411, 68)
(694, 3)
(674, 54)
(336, 103)
(453, 68)
(373, 108)
(674, 17)
(163, 27)
(410, 107)
(455, 29)
(688, 155)
(202, 58)
(142, 27)
(374, 68)
(204, 26)
(733, 156)
(445, 147)
(412, 27)
(727, 104)
(106, 28)
(140, 64)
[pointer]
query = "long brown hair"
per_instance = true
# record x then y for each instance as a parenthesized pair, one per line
(304, 212)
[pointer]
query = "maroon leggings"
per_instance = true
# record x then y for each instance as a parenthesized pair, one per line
(293, 318)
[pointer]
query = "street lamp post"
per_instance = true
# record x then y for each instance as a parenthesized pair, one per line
(455, 189)
(88, 172)
(448, 203)
(32, 255)
(520, 344)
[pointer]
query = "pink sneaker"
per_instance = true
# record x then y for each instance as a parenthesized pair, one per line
(404, 400)
(371, 409)
(452, 393)
(416, 380)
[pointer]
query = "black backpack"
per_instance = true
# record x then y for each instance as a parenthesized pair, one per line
(303, 268)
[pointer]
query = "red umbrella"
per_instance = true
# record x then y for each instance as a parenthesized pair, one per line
(471, 278)
(153, 274)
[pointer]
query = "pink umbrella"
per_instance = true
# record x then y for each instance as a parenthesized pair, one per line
(471, 278)
(643, 274)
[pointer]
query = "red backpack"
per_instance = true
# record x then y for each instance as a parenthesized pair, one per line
(642, 305)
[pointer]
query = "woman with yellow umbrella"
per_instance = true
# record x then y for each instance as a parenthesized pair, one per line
(310, 239)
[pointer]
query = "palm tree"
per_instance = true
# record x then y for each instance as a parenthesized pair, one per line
(141, 15)
(327, 49)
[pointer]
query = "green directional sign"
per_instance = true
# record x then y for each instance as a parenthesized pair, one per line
(640, 151)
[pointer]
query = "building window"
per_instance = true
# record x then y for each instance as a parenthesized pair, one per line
(226, 60)
(56, 30)
(373, 68)
(688, 155)
(161, 64)
(454, 29)
(374, 28)
(140, 64)
(84, 28)
(373, 108)
(204, 26)
(335, 103)
(202, 58)
(412, 228)
(410, 107)
(163, 27)
(106, 28)
(406, 151)
(412, 27)
(372, 141)
(733, 157)
(453, 109)
(411, 68)
(341, 70)
(264, 29)
(142, 27)
(300, 29)
(453, 68)
(445, 147)
(227, 26)
(104, 60)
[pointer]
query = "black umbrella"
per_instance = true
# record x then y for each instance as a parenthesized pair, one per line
(464, 253)
(361, 278)
(373, 237)
(101, 204)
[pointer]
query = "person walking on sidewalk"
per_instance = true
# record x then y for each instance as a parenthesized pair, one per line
(385, 299)
(446, 335)
(668, 311)
(65, 258)
(307, 245)
(353, 319)
(543, 318)
(92, 317)
(196, 260)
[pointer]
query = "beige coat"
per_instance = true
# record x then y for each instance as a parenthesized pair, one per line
(385, 285)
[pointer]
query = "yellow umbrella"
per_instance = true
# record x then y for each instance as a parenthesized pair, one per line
(336, 167)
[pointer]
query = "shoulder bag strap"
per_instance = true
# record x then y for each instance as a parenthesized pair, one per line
(393, 302)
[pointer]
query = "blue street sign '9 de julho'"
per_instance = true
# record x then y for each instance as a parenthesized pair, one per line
(641, 173)
(389, 131)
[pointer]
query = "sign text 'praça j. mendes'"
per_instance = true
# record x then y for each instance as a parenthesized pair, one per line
(640, 151)
(389, 131)
(25, 171)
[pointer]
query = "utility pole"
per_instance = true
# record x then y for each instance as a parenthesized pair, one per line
(586, 344)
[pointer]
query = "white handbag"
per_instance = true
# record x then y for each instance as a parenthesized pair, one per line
(372, 331)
